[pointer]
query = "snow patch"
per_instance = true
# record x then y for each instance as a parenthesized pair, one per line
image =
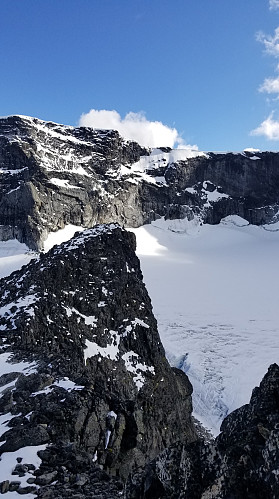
(61, 235)
(136, 368)
(111, 351)
(8, 462)
(63, 183)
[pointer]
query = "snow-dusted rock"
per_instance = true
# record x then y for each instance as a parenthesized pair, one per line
(82, 320)
(52, 176)
(242, 463)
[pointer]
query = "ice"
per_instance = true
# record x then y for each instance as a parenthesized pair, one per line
(251, 149)
(112, 414)
(214, 291)
(89, 320)
(65, 383)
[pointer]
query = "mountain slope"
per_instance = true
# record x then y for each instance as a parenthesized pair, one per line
(98, 379)
(53, 175)
(242, 463)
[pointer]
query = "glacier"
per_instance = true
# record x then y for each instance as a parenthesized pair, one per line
(214, 290)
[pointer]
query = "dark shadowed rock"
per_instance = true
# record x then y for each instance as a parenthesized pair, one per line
(103, 392)
(242, 462)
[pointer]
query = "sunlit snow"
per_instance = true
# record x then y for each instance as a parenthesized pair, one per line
(60, 236)
(13, 255)
(214, 291)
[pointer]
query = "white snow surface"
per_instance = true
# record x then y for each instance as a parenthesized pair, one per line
(13, 255)
(214, 291)
(60, 236)
(8, 463)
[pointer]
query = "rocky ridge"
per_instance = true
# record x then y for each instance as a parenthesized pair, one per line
(242, 462)
(100, 392)
(85, 383)
(53, 175)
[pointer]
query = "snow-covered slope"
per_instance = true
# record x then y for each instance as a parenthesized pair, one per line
(13, 255)
(215, 295)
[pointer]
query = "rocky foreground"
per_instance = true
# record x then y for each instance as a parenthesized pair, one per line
(101, 395)
(89, 390)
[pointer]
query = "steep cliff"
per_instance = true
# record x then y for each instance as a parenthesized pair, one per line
(53, 175)
(242, 463)
(100, 391)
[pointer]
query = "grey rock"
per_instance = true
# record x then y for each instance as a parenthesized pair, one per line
(242, 462)
(46, 479)
(89, 188)
(4, 486)
(29, 489)
(14, 485)
(91, 291)
(21, 437)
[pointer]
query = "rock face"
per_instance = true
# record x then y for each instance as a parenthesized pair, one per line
(53, 175)
(84, 381)
(102, 392)
(242, 463)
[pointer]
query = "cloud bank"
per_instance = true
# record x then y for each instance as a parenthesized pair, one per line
(135, 126)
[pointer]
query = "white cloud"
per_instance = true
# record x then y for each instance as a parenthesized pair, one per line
(271, 43)
(269, 128)
(270, 85)
(134, 126)
(273, 4)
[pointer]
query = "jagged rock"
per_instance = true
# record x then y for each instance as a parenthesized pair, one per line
(53, 175)
(46, 478)
(21, 437)
(103, 393)
(14, 485)
(5, 486)
(242, 463)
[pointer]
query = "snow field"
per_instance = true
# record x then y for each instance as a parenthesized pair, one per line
(214, 293)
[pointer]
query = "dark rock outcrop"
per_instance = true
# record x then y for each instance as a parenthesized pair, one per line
(242, 463)
(102, 384)
(53, 175)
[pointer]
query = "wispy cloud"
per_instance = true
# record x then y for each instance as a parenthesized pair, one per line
(134, 126)
(271, 43)
(270, 86)
(269, 128)
(273, 4)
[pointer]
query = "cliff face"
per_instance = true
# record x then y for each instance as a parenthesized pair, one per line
(242, 463)
(53, 175)
(101, 387)
(83, 376)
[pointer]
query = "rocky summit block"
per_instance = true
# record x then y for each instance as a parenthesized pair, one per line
(102, 386)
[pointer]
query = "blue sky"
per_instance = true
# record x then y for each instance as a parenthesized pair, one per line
(193, 65)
